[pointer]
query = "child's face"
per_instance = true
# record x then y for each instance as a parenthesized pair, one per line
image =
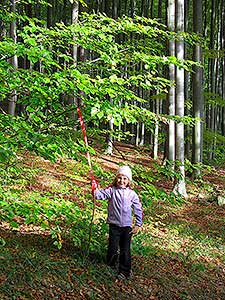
(122, 181)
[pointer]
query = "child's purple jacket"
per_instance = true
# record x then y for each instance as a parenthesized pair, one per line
(121, 202)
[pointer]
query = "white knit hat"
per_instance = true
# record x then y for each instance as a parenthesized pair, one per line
(125, 170)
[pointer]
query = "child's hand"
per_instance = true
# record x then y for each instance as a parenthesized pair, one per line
(135, 229)
(94, 186)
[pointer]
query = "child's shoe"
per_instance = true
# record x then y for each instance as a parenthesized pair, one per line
(121, 276)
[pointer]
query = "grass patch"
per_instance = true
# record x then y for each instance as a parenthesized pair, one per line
(179, 254)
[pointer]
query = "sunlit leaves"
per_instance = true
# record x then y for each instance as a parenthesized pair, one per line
(107, 80)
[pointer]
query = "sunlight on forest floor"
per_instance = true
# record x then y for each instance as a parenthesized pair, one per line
(179, 254)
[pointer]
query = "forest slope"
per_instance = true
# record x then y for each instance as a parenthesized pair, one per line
(179, 254)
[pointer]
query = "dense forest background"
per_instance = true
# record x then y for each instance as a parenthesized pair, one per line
(146, 72)
(148, 78)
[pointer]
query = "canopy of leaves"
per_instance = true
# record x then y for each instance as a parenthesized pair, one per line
(121, 56)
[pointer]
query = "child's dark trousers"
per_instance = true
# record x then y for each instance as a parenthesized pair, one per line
(119, 245)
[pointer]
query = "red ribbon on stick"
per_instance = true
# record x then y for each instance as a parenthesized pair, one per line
(94, 183)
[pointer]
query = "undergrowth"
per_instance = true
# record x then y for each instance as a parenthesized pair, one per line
(49, 244)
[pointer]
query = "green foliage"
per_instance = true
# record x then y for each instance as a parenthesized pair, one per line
(214, 99)
(36, 134)
(46, 127)
(191, 168)
(142, 175)
(44, 93)
(210, 136)
(61, 218)
(2, 242)
(139, 247)
(216, 142)
(187, 120)
(151, 193)
(169, 170)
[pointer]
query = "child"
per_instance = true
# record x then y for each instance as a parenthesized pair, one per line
(121, 201)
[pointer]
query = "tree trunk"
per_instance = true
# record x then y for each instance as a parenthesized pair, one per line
(75, 14)
(110, 140)
(223, 64)
(180, 186)
(156, 132)
(198, 102)
(142, 141)
(132, 7)
(171, 94)
(14, 61)
(212, 77)
(152, 9)
(115, 9)
(72, 99)
(160, 10)
(137, 139)
(50, 14)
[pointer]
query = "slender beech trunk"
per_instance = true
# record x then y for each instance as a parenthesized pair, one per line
(75, 14)
(180, 186)
(188, 129)
(137, 134)
(142, 141)
(171, 94)
(111, 121)
(223, 63)
(212, 77)
(115, 9)
(110, 140)
(50, 14)
(14, 61)
(160, 10)
(151, 9)
(198, 102)
(157, 111)
(72, 99)
(132, 7)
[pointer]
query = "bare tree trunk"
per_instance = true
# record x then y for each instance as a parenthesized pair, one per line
(160, 10)
(223, 63)
(50, 14)
(151, 9)
(180, 186)
(142, 141)
(156, 132)
(171, 94)
(111, 121)
(75, 14)
(72, 99)
(132, 7)
(115, 9)
(188, 129)
(14, 61)
(110, 140)
(137, 134)
(198, 102)
(212, 78)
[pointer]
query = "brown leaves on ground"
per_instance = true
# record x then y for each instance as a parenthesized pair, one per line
(31, 268)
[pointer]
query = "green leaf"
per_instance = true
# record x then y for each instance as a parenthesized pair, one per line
(14, 225)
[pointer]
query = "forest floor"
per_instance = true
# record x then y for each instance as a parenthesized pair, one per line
(180, 253)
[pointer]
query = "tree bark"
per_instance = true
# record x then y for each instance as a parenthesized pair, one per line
(223, 64)
(180, 186)
(72, 99)
(198, 101)
(14, 61)
(171, 93)
(50, 14)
